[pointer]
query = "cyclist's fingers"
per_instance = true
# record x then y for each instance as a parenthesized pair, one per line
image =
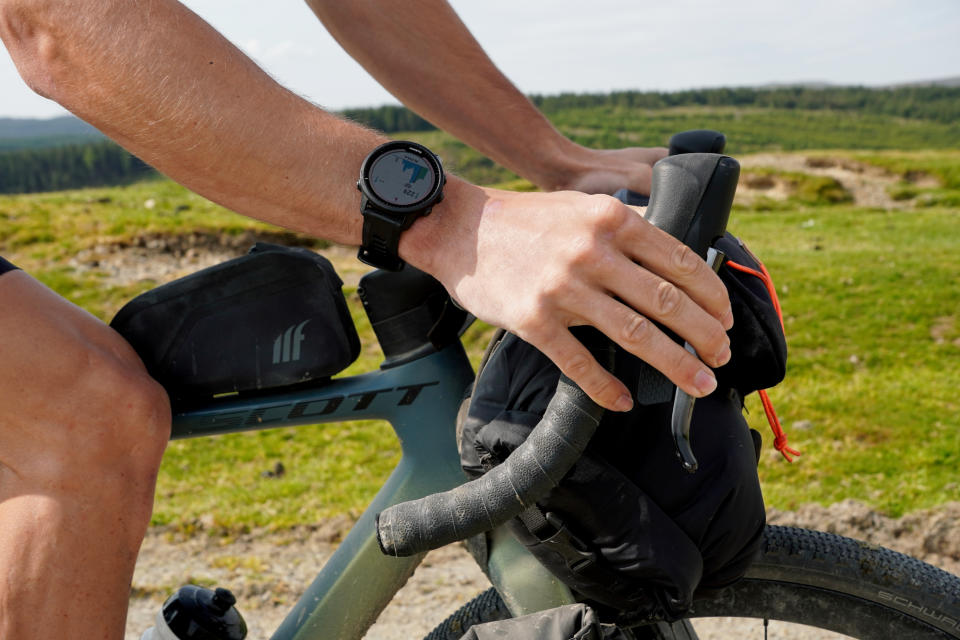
(578, 364)
(641, 337)
(660, 253)
(662, 301)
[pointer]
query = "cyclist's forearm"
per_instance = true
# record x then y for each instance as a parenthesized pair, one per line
(426, 57)
(163, 83)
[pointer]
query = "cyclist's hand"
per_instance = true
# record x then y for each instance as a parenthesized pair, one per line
(539, 263)
(607, 170)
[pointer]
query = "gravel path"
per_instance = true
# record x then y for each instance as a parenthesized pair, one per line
(267, 572)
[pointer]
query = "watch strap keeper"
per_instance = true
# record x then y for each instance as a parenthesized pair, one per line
(381, 239)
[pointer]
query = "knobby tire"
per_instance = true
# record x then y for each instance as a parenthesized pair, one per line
(807, 577)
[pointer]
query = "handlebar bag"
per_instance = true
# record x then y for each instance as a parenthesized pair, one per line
(627, 529)
(758, 344)
(275, 317)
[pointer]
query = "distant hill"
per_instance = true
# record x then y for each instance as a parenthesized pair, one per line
(32, 133)
(18, 133)
(61, 153)
(822, 84)
(942, 82)
(35, 128)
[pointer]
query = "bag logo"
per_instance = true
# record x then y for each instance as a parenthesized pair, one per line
(286, 348)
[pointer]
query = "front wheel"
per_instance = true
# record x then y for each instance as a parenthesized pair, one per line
(807, 577)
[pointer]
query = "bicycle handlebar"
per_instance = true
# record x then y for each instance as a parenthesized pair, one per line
(535, 467)
(690, 198)
(697, 141)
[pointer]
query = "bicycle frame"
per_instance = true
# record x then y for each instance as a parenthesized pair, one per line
(420, 400)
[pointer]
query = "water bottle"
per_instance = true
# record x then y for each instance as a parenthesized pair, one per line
(195, 613)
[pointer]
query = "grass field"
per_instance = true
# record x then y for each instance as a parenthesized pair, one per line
(872, 305)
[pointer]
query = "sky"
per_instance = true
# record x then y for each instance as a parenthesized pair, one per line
(553, 46)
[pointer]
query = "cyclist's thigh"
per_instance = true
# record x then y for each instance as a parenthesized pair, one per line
(66, 379)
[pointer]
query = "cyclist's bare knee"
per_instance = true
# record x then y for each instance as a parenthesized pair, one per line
(78, 413)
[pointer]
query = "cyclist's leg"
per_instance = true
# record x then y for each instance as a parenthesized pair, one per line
(82, 430)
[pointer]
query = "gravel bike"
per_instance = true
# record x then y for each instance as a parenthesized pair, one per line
(814, 578)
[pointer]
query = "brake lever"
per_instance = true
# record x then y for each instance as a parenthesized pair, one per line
(683, 401)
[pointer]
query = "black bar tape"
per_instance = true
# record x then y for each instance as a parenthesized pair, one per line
(534, 468)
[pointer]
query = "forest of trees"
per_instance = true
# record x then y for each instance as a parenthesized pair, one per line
(388, 118)
(936, 103)
(69, 167)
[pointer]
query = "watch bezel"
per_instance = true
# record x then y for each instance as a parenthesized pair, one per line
(436, 192)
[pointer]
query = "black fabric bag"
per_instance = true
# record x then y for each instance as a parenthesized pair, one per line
(759, 359)
(273, 318)
(628, 529)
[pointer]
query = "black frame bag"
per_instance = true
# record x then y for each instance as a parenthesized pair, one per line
(275, 317)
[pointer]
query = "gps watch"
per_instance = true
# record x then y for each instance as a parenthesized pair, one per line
(400, 181)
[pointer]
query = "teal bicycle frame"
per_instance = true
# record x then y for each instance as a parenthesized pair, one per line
(420, 400)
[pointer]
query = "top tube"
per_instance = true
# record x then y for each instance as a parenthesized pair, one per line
(391, 394)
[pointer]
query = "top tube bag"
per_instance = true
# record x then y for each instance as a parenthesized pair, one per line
(275, 317)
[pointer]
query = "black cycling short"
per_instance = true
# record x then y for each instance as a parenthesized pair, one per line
(6, 266)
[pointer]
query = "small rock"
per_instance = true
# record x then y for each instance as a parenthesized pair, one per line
(278, 471)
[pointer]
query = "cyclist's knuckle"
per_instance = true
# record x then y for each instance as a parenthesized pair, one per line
(669, 299)
(550, 292)
(681, 361)
(717, 335)
(609, 212)
(684, 260)
(577, 365)
(636, 329)
(604, 387)
(587, 250)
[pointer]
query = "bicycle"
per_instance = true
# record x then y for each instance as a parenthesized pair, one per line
(810, 577)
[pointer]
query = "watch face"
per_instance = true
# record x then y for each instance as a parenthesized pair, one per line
(401, 178)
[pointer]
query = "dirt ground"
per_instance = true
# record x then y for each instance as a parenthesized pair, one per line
(867, 184)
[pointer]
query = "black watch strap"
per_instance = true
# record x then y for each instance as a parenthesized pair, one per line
(381, 239)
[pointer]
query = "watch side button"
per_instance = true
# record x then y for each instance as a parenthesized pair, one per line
(358, 185)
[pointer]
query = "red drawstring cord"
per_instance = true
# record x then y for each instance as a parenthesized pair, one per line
(779, 437)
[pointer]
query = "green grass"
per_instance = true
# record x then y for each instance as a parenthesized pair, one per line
(872, 303)
(872, 310)
(755, 129)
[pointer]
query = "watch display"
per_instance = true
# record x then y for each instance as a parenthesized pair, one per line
(402, 178)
